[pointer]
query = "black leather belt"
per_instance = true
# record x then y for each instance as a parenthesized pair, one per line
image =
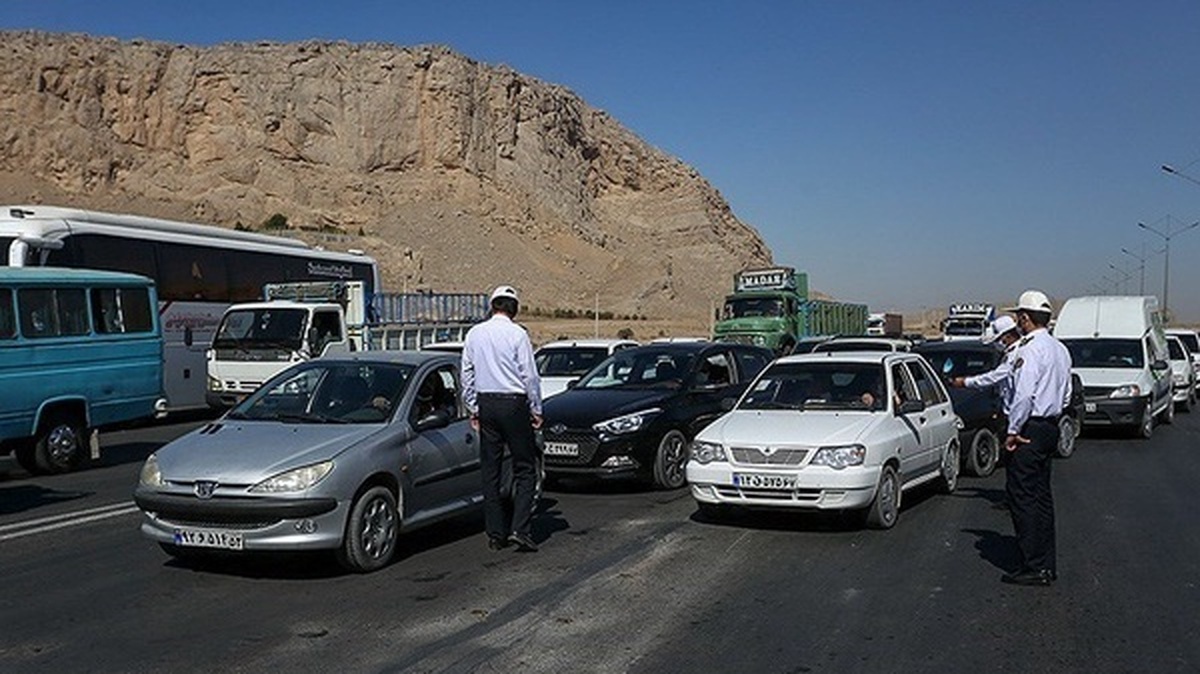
(503, 396)
(1049, 420)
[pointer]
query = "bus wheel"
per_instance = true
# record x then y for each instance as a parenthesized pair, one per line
(61, 446)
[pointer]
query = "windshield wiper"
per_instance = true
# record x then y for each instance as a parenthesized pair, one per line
(309, 417)
(774, 405)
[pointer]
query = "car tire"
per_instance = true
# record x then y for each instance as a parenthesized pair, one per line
(1068, 430)
(1167, 416)
(951, 463)
(1145, 429)
(885, 507)
(983, 453)
(61, 446)
(670, 461)
(372, 530)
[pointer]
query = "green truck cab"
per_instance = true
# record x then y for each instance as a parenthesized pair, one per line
(771, 308)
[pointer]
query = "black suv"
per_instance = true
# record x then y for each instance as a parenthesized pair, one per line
(635, 413)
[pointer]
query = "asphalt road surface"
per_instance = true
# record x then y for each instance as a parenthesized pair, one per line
(628, 580)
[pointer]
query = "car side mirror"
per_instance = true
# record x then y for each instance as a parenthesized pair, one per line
(728, 403)
(1160, 365)
(911, 406)
(433, 420)
(571, 384)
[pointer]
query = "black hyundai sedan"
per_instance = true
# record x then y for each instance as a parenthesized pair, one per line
(634, 414)
(981, 410)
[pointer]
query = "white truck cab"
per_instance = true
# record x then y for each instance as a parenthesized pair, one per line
(968, 320)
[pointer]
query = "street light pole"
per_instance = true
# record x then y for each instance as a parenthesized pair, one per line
(1141, 268)
(1125, 276)
(1167, 261)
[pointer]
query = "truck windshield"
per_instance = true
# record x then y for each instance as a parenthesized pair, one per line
(262, 329)
(1119, 353)
(825, 386)
(745, 307)
(964, 327)
(568, 361)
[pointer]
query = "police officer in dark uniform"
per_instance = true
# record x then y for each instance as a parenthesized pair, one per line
(1041, 385)
(502, 391)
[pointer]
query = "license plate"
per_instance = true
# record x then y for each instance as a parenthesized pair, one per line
(208, 538)
(1089, 407)
(760, 481)
(561, 449)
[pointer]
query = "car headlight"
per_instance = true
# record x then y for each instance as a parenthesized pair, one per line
(629, 423)
(151, 476)
(297, 479)
(1127, 391)
(214, 384)
(707, 452)
(840, 457)
(1180, 379)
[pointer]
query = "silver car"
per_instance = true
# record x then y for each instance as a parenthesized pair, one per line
(342, 453)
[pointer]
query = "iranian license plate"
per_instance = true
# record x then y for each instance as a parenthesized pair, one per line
(1089, 407)
(561, 449)
(761, 481)
(208, 538)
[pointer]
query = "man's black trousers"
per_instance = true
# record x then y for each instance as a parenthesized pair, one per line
(505, 422)
(1030, 498)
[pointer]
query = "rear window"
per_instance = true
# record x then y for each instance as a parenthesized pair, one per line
(568, 361)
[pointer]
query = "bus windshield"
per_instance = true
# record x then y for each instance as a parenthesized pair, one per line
(264, 328)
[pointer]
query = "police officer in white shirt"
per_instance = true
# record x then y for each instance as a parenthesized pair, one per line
(1041, 384)
(502, 391)
(1005, 331)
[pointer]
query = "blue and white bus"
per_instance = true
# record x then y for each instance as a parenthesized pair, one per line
(79, 350)
(199, 271)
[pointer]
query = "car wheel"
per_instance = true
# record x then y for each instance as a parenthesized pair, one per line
(984, 453)
(670, 461)
(1067, 432)
(61, 447)
(1167, 416)
(371, 531)
(950, 466)
(885, 507)
(1146, 428)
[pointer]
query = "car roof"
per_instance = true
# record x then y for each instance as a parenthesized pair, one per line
(569, 343)
(842, 339)
(879, 357)
(954, 345)
(1180, 331)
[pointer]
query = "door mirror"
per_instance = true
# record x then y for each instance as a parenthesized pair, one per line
(435, 419)
(571, 384)
(911, 406)
(1160, 365)
(728, 403)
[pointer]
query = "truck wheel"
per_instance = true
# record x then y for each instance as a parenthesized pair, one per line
(61, 446)
(885, 508)
(372, 530)
(983, 453)
(670, 461)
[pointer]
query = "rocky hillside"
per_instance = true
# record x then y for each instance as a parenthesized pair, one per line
(454, 174)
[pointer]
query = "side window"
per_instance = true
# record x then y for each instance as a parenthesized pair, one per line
(904, 388)
(927, 387)
(49, 312)
(73, 311)
(715, 370)
(136, 310)
(328, 328)
(121, 310)
(750, 363)
(8, 322)
(438, 391)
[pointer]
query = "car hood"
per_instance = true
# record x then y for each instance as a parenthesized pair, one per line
(1179, 367)
(246, 452)
(790, 427)
(578, 408)
(1110, 377)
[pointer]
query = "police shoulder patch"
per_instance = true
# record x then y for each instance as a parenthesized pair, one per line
(1017, 365)
(1026, 339)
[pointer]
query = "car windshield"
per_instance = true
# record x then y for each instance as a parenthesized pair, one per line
(744, 307)
(1175, 348)
(963, 327)
(328, 393)
(965, 363)
(1189, 340)
(818, 386)
(571, 361)
(261, 328)
(640, 368)
(1118, 353)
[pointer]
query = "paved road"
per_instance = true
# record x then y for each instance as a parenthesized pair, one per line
(628, 580)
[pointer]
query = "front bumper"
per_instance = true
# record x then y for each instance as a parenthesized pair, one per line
(1114, 411)
(817, 487)
(602, 456)
(263, 523)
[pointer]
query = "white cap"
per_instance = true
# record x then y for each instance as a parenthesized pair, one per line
(504, 291)
(1033, 300)
(999, 327)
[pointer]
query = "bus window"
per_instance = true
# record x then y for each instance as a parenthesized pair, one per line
(121, 310)
(192, 273)
(8, 324)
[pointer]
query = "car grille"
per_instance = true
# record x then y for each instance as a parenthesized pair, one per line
(797, 496)
(232, 522)
(1097, 391)
(587, 441)
(755, 456)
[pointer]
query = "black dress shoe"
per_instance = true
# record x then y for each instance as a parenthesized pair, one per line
(1042, 578)
(523, 542)
(497, 543)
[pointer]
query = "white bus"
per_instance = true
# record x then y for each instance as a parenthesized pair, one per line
(199, 271)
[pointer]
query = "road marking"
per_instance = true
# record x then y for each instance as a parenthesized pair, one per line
(64, 520)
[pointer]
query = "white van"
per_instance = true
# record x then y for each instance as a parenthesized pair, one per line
(1119, 351)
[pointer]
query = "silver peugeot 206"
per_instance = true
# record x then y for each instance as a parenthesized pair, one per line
(342, 453)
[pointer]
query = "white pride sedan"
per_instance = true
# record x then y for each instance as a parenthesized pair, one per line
(830, 431)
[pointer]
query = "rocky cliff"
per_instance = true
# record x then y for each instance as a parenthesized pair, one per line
(455, 175)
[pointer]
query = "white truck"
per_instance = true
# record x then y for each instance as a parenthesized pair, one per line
(968, 320)
(300, 321)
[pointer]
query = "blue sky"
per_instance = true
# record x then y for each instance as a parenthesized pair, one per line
(905, 154)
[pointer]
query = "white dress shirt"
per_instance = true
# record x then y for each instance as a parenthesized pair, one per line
(1041, 379)
(999, 376)
(498, 358)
